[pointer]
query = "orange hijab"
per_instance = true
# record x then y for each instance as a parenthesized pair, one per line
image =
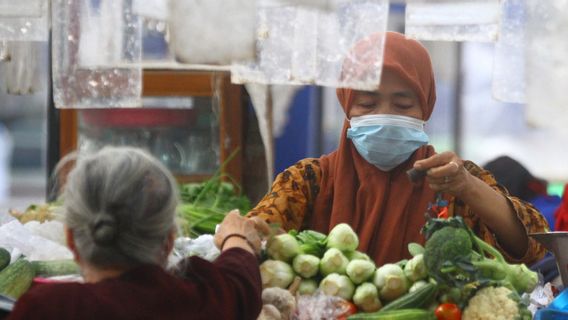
(384, 208)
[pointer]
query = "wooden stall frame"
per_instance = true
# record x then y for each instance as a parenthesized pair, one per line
(163, 83)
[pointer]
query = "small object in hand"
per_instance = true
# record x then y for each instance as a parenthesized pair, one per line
(443, 214)
(415, 174)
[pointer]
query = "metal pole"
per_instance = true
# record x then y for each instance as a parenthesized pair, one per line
(53, 125)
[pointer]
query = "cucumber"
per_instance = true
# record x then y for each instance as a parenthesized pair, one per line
(55, 268)
(16, 278)
(402, 314)
(417, 299)
(4, 258)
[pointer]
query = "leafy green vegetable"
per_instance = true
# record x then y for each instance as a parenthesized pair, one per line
(415, 249)
(357, 255)
(360, 270)
(415, 268)
(333, 261)
(457, 258)
(306, 265)
(366, 297)
(307, 287)
(283, 247)
(204, 205)
(391, 281)
(342, 237)
(311, 242)
(337, 285)
(276, 273)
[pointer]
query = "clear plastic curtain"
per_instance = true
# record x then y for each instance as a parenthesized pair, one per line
(509, 80)
(309, 44)
(24, 20)
(547, 66)
(21, 69)
(453, 20)
(96, 54)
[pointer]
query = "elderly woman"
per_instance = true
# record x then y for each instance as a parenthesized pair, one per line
(364, 182)
(120, 208)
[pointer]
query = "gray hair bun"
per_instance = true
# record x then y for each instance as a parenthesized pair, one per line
(104, 229)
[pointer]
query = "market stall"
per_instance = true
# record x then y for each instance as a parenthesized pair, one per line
(204, 86)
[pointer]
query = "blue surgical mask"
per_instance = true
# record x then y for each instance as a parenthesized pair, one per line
(386, 140)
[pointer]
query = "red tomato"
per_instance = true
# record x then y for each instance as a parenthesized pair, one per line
(348, 309)
(448, 311)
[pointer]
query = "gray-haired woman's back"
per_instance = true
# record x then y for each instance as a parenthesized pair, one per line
(120, 206)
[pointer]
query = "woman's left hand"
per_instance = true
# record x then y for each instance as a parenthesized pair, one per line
(445, 173)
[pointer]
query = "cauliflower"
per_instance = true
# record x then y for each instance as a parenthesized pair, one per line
(494, 303)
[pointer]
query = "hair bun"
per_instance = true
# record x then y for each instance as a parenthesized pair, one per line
(104, 229)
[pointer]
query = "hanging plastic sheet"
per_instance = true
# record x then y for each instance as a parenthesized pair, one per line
(509, 81)
(547, 67)
(21, 68)
(155, 9)
(4, 55)
(24, 20)
(96, 54)
(456, 20)
(306, 45)
(216, 32)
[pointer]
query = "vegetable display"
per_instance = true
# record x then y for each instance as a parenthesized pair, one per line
(204, 205)
(469, 271)
(452, 277)
(331, 265)
(4, 258)
(16, 278)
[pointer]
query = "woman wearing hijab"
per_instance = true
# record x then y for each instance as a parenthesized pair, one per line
(364, 182)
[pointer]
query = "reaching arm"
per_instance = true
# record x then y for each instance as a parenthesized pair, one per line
(291, 196)
(504, 218)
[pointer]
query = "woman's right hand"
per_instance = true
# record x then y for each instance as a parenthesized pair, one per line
(237, 231)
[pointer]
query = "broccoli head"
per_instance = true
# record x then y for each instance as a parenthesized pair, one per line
(445, 249)
(455, 256)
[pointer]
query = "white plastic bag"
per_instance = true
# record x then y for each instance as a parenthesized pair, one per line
(215, 32)
(453, 20)
(16, 238)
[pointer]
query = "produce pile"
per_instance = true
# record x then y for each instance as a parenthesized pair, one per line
(16, 278)
(204, 205)
(455, 275)
(37, 212)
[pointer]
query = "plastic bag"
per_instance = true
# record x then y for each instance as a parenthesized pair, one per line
(96, 54)
(540, 297)
(302, 45)
(547, 67)
(213, 31)
(16, 238)
(202, 246)
(51, 230)
(320, 306)
(453, 20)
(509, 82)
(24, 20)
